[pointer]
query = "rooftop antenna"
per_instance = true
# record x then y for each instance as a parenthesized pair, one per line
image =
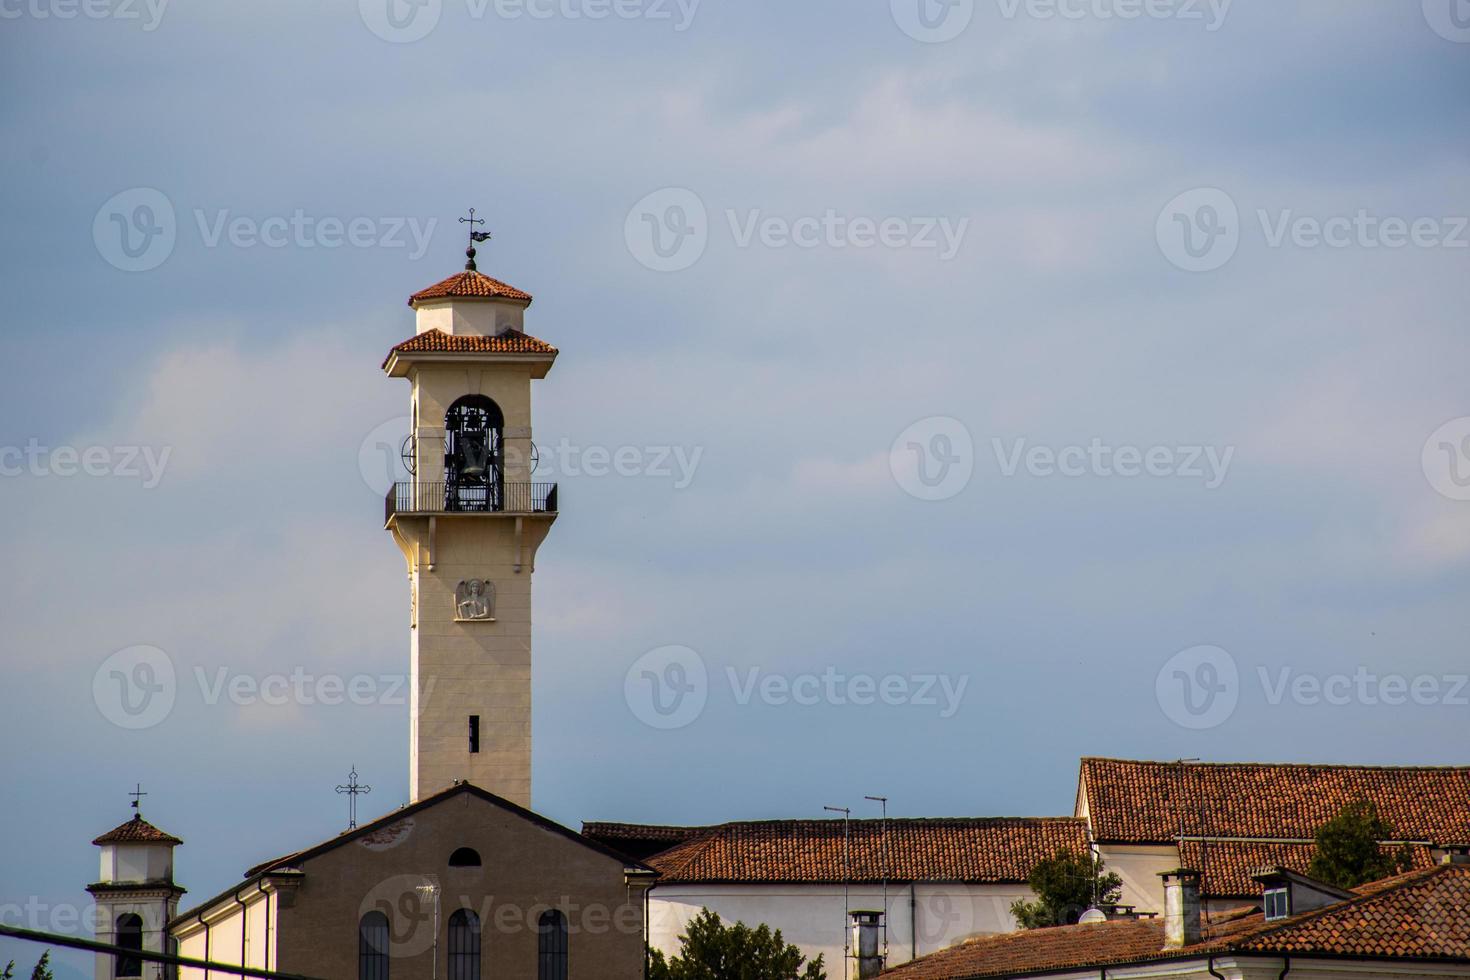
(475, 236)
(353, 789)
(846, 882)
(883, 800)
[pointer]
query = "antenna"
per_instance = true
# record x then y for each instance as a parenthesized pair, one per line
(884, 801)
(846, 884)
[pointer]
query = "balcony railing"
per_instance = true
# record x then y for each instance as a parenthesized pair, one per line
(446, 498)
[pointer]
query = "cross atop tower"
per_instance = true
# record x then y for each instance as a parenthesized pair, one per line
(137, 794)
(475, 236)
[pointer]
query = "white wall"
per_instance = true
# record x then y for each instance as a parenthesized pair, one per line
(812, 916)
(225, 923)
(1139, 866)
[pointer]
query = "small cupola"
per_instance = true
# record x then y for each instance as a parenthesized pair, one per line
(470, 303)
(137, 852)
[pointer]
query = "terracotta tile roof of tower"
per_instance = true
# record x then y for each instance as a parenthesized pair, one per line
(1420, 916)
(469, 284)
(439, 342)
(136, 831)
(970, 850)
(1133, 802)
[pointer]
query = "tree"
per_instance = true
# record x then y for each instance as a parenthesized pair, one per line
(43, 968)
(713, 951)
(1349, 851)
(1066, 884)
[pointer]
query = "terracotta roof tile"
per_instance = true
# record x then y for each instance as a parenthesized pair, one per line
(136, 831)
(1228, 866)
(439, 342)
(1423, 915)
(979, 850)
(640, 841)
(1144, 802)
(470, 285)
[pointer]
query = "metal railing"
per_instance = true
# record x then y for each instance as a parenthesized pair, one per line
(485, 498)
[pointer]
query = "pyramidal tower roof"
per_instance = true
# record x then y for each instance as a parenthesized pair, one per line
(469, 284)
(136, 831)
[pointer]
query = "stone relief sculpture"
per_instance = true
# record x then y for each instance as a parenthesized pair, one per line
(474, 601)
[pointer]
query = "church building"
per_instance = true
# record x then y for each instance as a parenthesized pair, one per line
(464, 881)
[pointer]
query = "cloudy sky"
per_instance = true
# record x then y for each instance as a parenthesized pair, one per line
(995, 383)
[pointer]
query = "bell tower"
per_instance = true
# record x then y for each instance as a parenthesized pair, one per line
(469, 521)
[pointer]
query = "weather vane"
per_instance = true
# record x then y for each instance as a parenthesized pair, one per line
(475, 236)
(137, 794)
(353, 789)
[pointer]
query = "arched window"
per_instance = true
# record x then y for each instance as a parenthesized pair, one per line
(474, 428)
(552, 946)
(464, 945)
(465, 857)
(372, 947)
(129, 935)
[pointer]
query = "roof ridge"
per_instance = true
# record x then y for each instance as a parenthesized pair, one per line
(1374, 767)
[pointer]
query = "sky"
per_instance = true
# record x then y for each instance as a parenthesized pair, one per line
(946, 392)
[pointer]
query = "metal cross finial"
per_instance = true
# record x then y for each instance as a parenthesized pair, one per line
(137, 794)
(475, 236)
(353, 789)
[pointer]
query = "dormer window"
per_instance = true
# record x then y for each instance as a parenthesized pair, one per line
(1278, 903)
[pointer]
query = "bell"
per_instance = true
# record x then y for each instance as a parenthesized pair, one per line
(476, 456)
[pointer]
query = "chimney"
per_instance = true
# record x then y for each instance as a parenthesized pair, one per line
(1181, 908)
(865, 928)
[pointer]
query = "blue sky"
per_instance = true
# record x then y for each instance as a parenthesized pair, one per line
(1068, 152)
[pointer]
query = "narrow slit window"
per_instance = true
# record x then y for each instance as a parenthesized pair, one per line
(474, 734)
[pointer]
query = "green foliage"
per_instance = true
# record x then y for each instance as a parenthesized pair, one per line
(1348, 849)
(43, 968)
(9, 973)
(713, 951)
(1065, 885)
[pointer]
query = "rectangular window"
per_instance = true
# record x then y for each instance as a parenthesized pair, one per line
(474, 734)
(1278, 904)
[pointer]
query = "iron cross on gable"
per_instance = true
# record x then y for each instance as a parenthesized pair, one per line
(353, 789)
(475, 236)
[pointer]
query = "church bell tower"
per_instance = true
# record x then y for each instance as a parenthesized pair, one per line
(469, 520)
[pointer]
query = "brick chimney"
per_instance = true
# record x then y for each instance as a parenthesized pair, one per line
(1181, 908)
